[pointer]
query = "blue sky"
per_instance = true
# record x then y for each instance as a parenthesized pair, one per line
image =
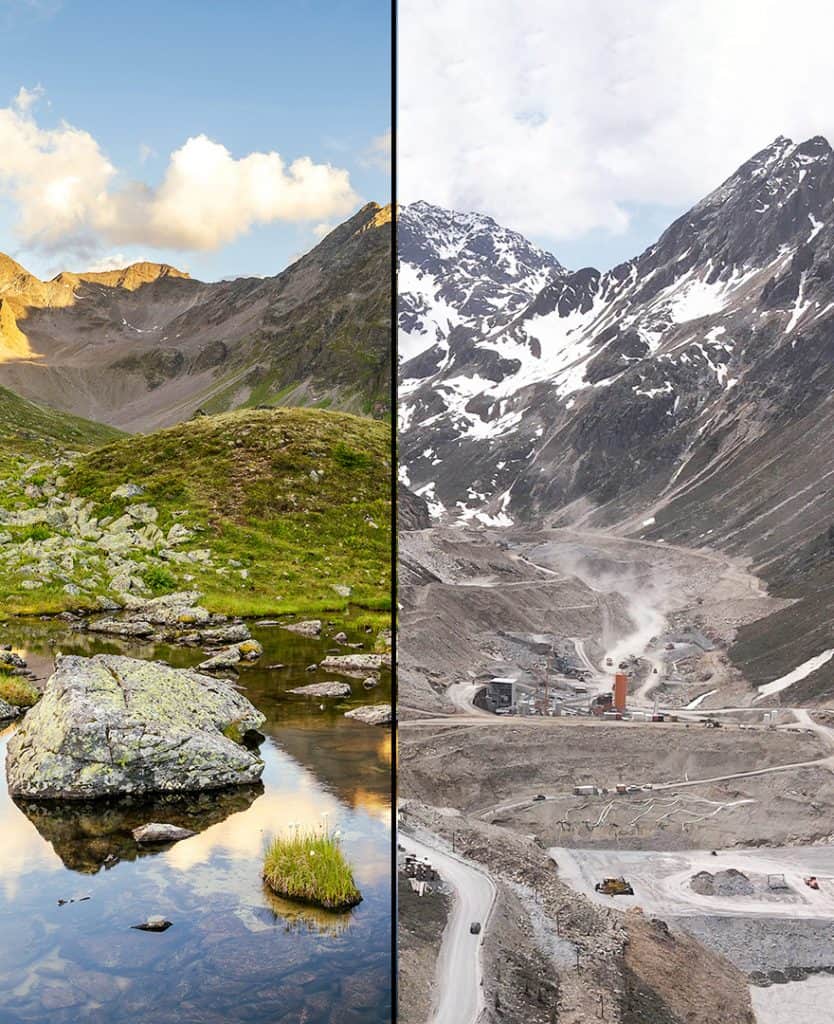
(303, 79)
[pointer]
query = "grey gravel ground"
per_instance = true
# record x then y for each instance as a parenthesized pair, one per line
(766, 943)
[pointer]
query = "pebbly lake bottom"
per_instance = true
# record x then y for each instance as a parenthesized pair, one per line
(236, 952)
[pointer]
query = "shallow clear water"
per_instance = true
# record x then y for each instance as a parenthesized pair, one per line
(235, 951)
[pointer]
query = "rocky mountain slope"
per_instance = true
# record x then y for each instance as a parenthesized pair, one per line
(147, 346)
(684, 396)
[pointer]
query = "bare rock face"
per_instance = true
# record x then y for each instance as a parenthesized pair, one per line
(110, 725)
(371, 714)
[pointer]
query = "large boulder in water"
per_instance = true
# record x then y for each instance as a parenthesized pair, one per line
(110, 725)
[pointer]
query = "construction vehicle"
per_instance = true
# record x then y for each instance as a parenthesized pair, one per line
(601, 703)
(614, 887)
(812, 882)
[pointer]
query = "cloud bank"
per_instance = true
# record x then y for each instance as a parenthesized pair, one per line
(68, 195)
(557, 117)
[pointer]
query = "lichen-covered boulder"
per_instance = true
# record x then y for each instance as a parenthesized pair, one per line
(110, 725)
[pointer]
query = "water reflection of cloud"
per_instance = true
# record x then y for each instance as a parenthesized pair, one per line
(293, 795)
(21, 847)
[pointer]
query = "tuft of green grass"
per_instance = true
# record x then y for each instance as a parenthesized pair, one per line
(160, 580)
(16, 691)
(310, 866)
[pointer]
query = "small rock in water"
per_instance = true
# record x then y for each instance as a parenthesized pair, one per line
(323, 690)
(159, 832)
(311, 668)
(153, 924)
(309, 627)
(267, 622)
(276, 665)
(340, 638)
(370, 682)
(372, 714)
(226, 659)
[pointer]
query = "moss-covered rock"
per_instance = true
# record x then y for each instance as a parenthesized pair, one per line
(111, 725)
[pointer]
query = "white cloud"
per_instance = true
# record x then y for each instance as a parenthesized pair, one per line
(320, 230)
(378, 153)
(27, 98)
(145, 152)
(69, 195)
(554, 116)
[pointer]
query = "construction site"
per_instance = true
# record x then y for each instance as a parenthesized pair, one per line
(573, 724)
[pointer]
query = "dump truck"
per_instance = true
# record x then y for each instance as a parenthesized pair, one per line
(614, 887)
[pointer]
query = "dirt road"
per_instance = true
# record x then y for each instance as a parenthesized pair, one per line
(459, 972)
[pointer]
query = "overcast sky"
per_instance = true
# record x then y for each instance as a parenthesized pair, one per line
(589, 126)
(222, 138)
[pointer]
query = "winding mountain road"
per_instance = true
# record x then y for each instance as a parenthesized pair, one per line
(460, 995)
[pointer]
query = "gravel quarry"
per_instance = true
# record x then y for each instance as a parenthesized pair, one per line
(729, 768)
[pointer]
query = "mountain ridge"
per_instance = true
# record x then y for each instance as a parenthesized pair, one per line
(146, 346)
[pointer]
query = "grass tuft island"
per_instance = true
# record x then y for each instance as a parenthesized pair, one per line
(310, 867)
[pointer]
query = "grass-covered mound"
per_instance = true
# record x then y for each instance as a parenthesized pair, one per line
(282, 506)
(310, 866)
(16, 691)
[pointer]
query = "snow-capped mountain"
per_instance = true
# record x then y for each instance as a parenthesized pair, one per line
(642, 353)
(683, 396)
(460, 270)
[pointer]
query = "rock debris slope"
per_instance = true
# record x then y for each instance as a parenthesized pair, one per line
(683, 396)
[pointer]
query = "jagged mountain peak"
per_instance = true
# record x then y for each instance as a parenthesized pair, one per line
(429, 234)
(461, 272)
(641, 365)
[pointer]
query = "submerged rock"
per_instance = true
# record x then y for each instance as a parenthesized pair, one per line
(159, 832)
(372, 714)
(323, 690)
(110, 725)
(310, 627)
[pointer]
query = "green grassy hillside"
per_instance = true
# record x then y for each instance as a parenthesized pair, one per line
(29, 431)
(264, 511)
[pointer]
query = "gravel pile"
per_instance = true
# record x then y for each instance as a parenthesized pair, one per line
(722, 883)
